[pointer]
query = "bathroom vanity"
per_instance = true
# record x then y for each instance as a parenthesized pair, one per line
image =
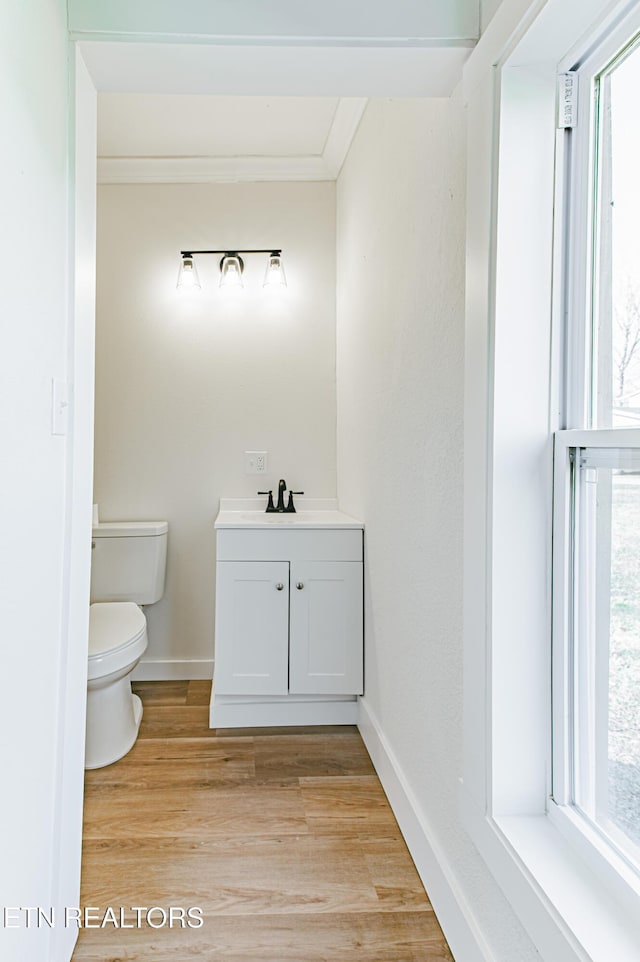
(288, 623)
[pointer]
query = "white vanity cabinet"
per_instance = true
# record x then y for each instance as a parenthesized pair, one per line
(288, 624)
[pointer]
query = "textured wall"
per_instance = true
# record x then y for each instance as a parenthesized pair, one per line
(400, 354)
(184, 385)
(400, 336)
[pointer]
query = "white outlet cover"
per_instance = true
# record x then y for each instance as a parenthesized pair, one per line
(256, 462)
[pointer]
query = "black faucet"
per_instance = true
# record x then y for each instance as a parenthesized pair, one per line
(280, 506)
(282, 487)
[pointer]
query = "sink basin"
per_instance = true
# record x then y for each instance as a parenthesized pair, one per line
(298, 517)
(301, 519)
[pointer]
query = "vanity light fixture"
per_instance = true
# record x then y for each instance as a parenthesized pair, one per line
(231, 269)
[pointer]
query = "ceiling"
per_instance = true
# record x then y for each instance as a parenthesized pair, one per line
(148, 125)
(187, 137)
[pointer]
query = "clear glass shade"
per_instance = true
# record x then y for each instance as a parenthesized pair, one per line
(274, 275)
(188, 275)
(231, 267)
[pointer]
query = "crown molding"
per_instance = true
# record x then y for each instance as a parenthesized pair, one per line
(225, 170)
(343, 129)
(209, 170)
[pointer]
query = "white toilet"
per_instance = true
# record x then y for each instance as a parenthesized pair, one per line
(128, 561)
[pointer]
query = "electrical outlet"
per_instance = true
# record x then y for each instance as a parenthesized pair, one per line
(255, 462)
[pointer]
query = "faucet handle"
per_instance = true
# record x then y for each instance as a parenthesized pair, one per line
(290, 508)
(270, 505)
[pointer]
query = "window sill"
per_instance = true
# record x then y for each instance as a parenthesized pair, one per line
(567, 909)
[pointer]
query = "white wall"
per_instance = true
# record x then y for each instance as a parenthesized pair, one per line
(185, 385)
(43, 609)
(400, 364)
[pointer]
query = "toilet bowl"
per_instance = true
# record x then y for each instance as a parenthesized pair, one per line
(117, 641)
(127, 570)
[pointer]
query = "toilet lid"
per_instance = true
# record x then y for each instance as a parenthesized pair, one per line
(114, 624)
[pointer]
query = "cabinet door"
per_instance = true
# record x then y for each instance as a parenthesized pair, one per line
(252, 628)
(325, 646)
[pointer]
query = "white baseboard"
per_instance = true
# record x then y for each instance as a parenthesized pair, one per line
(237, 711)
(173, 669)
(451, 906)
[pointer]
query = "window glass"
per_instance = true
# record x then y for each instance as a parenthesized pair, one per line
(607, 649)
(616, 287)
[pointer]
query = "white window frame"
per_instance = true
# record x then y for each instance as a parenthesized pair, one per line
(514, 404)
(621, 880)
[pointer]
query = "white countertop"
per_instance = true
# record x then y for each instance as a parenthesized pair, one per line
(310, 513)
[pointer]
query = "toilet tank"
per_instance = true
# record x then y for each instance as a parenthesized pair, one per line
(128, 561)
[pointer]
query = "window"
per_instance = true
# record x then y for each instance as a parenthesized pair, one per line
(550, 465)
(596, 580)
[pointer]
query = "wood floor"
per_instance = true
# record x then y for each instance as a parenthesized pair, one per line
(282, 837)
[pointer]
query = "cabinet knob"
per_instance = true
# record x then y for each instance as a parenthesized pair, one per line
(279, 586)
(300, 585)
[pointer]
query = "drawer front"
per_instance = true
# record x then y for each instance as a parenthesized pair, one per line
(307, 544)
